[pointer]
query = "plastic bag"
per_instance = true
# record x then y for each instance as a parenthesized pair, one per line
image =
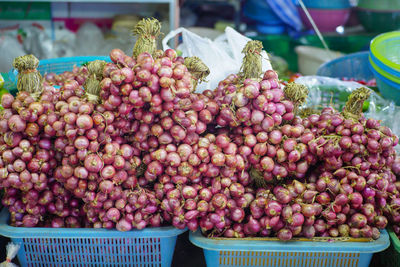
(121, 39)
(223, 56)
(324, 91)
(64, 44)
(12, 250)
(38, 42)
(89, 40)
(10, 48)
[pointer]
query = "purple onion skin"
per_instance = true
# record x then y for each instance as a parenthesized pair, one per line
(285, 235)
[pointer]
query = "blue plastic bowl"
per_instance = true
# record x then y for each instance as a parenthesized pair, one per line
(261, 12)
(386, 48)
(327, 4)
(389, 89)
(384, 67)
(354, 66)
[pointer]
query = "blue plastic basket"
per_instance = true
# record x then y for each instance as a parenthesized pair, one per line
(91, 247)
(355, 65)
(256, 253)
(59, 65)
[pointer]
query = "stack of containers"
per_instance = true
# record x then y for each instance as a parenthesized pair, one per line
(384, 59)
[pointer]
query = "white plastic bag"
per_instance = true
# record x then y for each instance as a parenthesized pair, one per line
(38, 42)
(12, 250)
(89, 40)
(10, 48)
(223, 56)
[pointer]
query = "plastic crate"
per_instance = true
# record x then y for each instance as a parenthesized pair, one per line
(256, 253)
(91, 247)
(391, 256)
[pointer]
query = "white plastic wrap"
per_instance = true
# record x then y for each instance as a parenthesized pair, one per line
(64, 45)
(12, 250)
(379, 108)
(314, 84)
(223, 56)
(122, 39)
(10, 48)
(89, 40)
(38, 42)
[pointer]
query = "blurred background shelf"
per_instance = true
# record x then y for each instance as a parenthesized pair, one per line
(173, 6)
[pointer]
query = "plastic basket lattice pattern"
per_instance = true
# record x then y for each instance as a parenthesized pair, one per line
(266, 253)
(289, 259)
(91, 247)
(59, 65)
(91, 251)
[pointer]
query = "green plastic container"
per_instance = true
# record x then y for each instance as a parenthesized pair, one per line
(344, 44)
(280, 45)
(391, 256)
(379, 20)
(283, 45)
(379, 4)
(25, 10)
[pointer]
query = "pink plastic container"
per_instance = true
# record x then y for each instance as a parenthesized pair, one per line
(326, 19)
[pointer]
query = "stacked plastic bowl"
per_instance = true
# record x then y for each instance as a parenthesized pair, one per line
(384, 59)
(379, 15)
(327, 14)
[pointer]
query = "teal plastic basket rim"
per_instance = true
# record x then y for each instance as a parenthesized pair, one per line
(41, 232)
(71, 59)
(12, 74)
(290, 246)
